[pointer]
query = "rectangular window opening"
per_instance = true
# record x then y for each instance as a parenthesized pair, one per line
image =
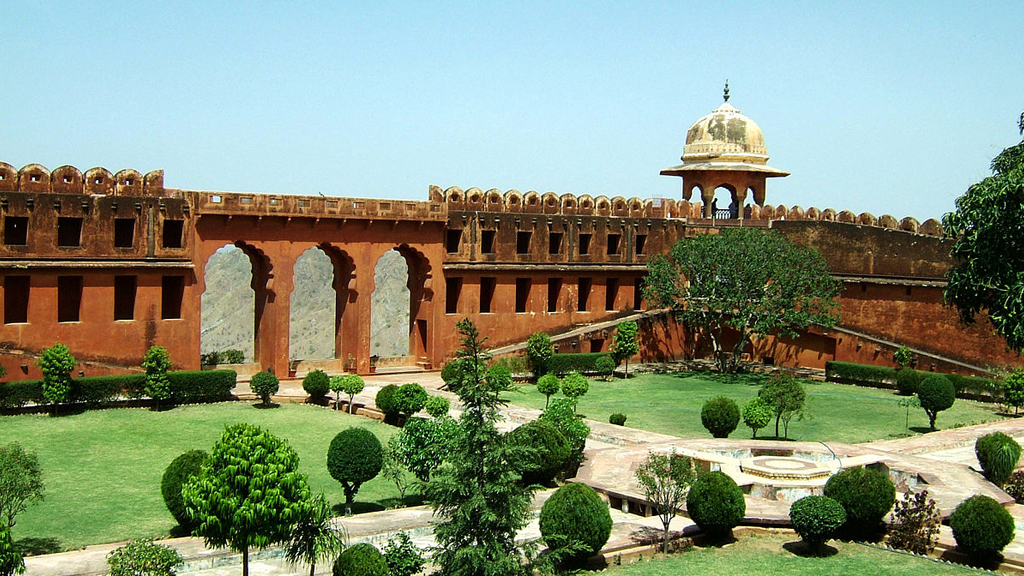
(173, 233)
(16, 290)
(171, 297)
(486, 293)
(453, 290)
(554, 291)
(555, 243)
(523, 242)
(452, 240)
(638, 295)
(124, 232)
(613, 243)
(124, 297)
(69, 298)
(596, 345)
(583, 294)
(641, 241)
(522, 294)
(584, 244)
(15, 230)
(611, 294)
(69, 232)
(487, 241)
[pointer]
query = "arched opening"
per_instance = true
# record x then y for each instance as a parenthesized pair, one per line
(724, 206)
(228, 306)
(390, 307)
(313, 310)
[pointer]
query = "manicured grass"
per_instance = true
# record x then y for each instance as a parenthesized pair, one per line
(765, 554)
(671, 404)
(102, 468)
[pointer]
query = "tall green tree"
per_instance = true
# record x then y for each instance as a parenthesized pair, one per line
(539, 351)
(786, 397)
(748, 280)
(665, 480)
(625, 344)
(249, 492)
(475, 493)
(21, 481)
(987, 228)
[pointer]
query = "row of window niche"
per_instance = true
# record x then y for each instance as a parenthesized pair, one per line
(453, 240)
(453, 293)
(69, 232)
(69, 298)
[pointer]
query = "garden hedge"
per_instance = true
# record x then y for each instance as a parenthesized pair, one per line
(972, 387)
(186, 387)
(836, 371)
(584, 363)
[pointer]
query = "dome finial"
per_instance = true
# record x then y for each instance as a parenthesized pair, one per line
(726, 93)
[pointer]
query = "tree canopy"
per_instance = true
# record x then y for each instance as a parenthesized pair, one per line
(625, 344)
(749, 280)
(988, 248)
(21, 481)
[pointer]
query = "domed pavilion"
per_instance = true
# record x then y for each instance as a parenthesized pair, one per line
(725, 149)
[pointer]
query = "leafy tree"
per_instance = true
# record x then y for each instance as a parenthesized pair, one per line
(315, 537)
(352, 384)
(1013, 390)
(264, 384)
(987, 228)
(21, 481)
(786, 397)
(355, 456)
(575, 385)
(935, 393)
(665, 480)
(548, 385)
(424, 444)
(757, 414)
(249, 493)
(11, 561)
(393, 469)
(475, 494)
(539, 350)
(625, 344)
(562, 413)
(753, 281)
(56, 363)
(157, 363)
(143, 558)
(402, 556)
(437, 406)
(410, 398)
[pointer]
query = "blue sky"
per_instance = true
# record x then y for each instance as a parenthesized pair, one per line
(889, 107)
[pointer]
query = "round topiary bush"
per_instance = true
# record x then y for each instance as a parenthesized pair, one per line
(385, 400)
(907, 381)
(866, 495)
(410, 398)
(605, 366)
(981, 526)
(715, 503)
(720, 416)
(354, 456)
(547, 451)
(361, 560)
(575, 385)
(177, 473)
(264, 384)
(437, 406)
(317, 384)
(619, 419)
(936, 394)
(575, 515)
(998, 455)
(816, 518)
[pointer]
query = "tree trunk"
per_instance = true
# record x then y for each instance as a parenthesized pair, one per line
(245, 560)
(777, 418)
(351, 400)
(664, 541)
(349, 497)
(312, 568)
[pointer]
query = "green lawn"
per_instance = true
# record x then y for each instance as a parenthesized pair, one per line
(102, 468)
(765, 554)
(671, 404)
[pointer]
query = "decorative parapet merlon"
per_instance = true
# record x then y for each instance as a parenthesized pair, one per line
(532, 202)
(251, 204)
(70, 180)
(930, 227)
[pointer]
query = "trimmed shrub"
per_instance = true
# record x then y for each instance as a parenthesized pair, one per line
(1013, 390)
(449, 373)
(96, 390)
(575, 385)
(437, 406)
(143, 558)
(177, 473)
(232, 356)
(385, 401)
(402, 556)
(619, 419)
(575, 516)
(539, 351)
(757, 414)
(583, 362)
(546, 451)
(982, 527)
(853, 372)
(605, 366)
(201, 385)
(409, 399)
(186, 387)
(264, 384)
(720, 416)
(936, 394)
(998, 455)
(354, 456)
(715, 503)
(562, 413)
(360, 560)
(915, 523)
(866, 495)
(156, 364)
(317, 384)
(907, 381)
(548, 385)
(816, 519)
(17, 394)
(56, 363)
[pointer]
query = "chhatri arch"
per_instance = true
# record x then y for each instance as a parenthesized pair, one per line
(725, 149)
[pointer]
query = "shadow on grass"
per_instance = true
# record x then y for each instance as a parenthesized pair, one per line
(805, 550)
(37, 546)
(262, 406)
(180, 531)
(742, 377)
(390, 503)
(921, 429)
(357, 508)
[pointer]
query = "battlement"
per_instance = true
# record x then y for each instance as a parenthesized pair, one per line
(70, 180)
(292, 206)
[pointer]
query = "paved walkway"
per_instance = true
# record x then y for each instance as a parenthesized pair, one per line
(943, 460)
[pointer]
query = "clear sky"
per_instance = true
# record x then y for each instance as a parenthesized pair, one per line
(888, 107)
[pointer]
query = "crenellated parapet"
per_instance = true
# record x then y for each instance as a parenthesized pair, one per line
(930, 227)
(70, 180)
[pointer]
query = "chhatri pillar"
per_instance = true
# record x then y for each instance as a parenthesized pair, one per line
(725, 149)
